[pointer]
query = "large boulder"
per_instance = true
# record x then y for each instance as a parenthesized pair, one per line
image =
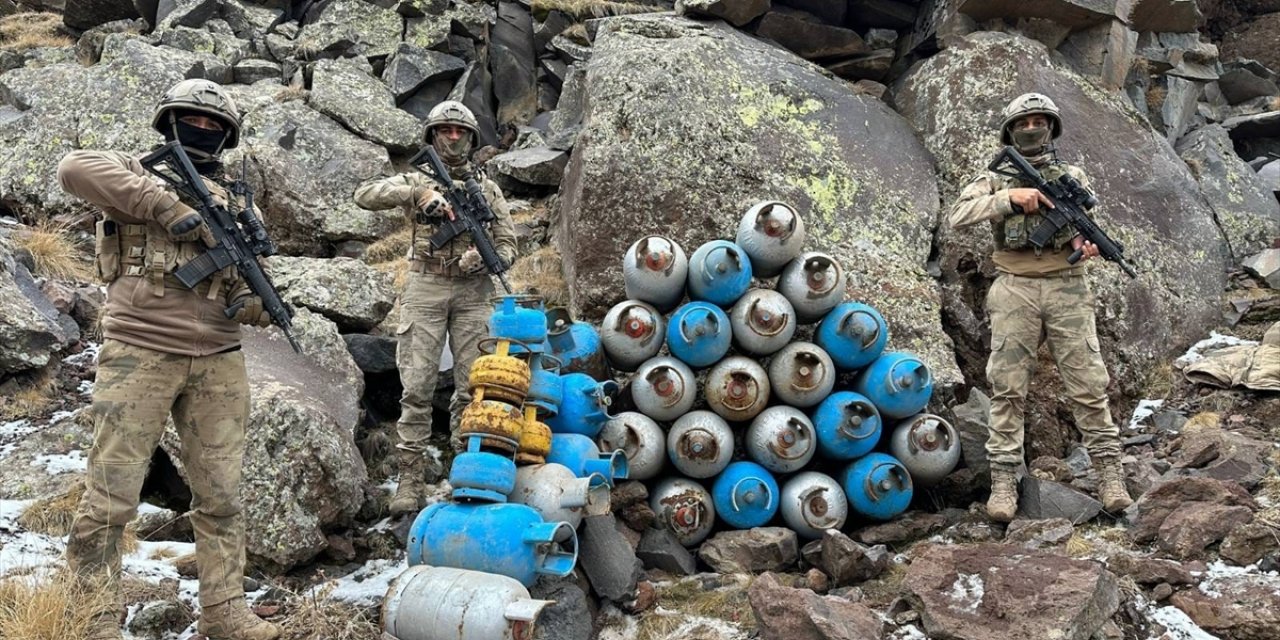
(511, 60)
(751, 550)
(786, 613)
(1150, 201)
(1155, 506)
(307, 168)
(60, 107)
(346, 291)
(754, 123)
(345, 90)
(1245, 209)
(303, 475)
(86, 14)
(1234, 607)
(1255, 40)
(351, 27)
(997, 591)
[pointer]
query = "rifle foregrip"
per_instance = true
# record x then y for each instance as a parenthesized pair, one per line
(1075, 256)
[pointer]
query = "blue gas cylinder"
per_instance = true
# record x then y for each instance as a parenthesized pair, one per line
(576, 344)
(719, 272)
(898, 383)
(507, 539)
(848, 425)
(699, 334)
(854, 335)
(583, 457)
(745, 495)
(521, 319)
(877, 485)
(546, 389)
(584, 405)
(481, 475)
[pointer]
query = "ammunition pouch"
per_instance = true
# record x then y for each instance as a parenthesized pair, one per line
(148, 252)
(106, 250)
(1014, 232)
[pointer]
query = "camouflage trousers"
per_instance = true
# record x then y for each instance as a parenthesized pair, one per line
(134, 392)
(1024, 313)
(430, 307)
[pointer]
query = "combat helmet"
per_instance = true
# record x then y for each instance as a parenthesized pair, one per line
(202, 96)
(1030, 104)
(455, 113)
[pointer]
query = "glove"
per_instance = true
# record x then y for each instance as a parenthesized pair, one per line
(251, 312)
(470, 262)
(431, 206)
(184, 224)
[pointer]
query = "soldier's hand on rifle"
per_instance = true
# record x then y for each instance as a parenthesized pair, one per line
(431, 204)
(251, 311)
(1087, 249)
(185, 224)
(1028, 200)
(471, 262)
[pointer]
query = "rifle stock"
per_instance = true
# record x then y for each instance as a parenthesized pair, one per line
(231, 246)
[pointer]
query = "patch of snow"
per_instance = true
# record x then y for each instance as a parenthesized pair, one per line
(90, 354)
(1144, 410)
(909, 632)
(60, 416)
(1176, 623)
(1214, 341)
(618, 625)
(85, 388)
(71, 462)
(968, 591)
(368, 584)
(715, 627)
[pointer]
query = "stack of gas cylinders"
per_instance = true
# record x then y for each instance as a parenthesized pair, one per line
(765, 395)
(518, 491)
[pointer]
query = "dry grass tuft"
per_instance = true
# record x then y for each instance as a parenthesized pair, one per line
(577, 32)
(1079, 546)
(888, 586)
(53, 516)
(658, 626)
(392, 247)
(315, 616)
(584, 9)
(52, 608)
(56, 252)
(135, 590)
(1155, 98)
(688, 598)
(30, 394)
(291, 93)
(22, 31)
(542, 273)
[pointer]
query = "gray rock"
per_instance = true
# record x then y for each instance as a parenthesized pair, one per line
(1265, 265)
(751, 550)
(881, 38)
(323, 164)
(972, 420)
(247, 20)
(569, 618)
(735, 12)
(1044, 499)
(660, 550)
(349, 292)
(184, 13)
(139, 54)
(511, 63)
(1240, 606)
(188, 39)
(552, 25)
(1149, 571)
(552, 71)
(785, 613)
(712, 161)
(252, 70)
(86, 14)
(570, 51)
(1186, 532)
(1179, 108)
(608, 559)
(351, 27)
(572, 102)
(345, 91)
(1164, 15)
(428, 32)
(372, 354)
(161, 618)
(1261, 125)
(423, 100)
(537, 166)
(1036, 534)
(30, 332)
(1104, 51)
(830, 11)
(1176, 304)
(988, 590)
(1078, 461)
(1168, 421)
(1239, 83)
(809, 39)
(411, 68)
(1071, 13)
(303, 475)
(844, 561)
(868, 66)
(907, 527)
(474, 89)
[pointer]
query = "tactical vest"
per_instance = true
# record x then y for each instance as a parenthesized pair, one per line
(147, 251)
(1014, 231)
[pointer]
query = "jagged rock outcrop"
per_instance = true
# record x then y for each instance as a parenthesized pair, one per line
(349, 292)
(689, 124)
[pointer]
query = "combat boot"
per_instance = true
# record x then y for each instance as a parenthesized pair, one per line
(104, 626)
(1003, 503)
(232, 620)
(411, 494)
(1111, 490)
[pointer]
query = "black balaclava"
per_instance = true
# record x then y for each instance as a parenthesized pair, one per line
(203, 145)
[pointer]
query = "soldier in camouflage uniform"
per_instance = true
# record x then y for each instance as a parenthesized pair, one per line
(1038, 296)
(446, 290)
(167, 350)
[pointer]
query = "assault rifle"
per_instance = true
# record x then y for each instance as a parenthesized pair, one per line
(1070, 202)
(234, 246)
(470, 213)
